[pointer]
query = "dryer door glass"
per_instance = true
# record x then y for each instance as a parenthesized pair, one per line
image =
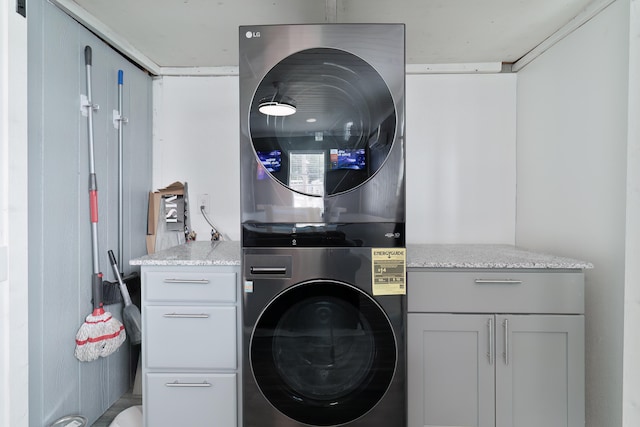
(328, 102)
(323, 353)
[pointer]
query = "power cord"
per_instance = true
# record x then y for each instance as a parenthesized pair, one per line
(215, 234)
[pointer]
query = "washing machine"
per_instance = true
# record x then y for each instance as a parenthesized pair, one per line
(320, 347)
(322, 112)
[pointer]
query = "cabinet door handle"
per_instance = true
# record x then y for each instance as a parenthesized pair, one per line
(179, 384)
(490, 352)
(498, 282)
(196, 281)
(186, 316)
(505, 325)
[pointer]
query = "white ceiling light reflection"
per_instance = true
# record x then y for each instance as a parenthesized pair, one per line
(277, 108)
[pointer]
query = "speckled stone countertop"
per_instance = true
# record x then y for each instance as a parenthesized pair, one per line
(486, 256)
(194, 253)
(418, 256)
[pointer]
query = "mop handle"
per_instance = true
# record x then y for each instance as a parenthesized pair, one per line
(87, 60)
(96, 292)
(93, 182)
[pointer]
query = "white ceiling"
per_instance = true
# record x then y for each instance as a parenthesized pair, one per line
(204, 33)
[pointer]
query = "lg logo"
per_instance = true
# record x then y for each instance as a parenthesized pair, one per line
(252, 34)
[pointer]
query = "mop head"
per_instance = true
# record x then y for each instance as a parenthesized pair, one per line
(99, 336)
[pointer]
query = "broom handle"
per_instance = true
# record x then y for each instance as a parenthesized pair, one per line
(120, 171)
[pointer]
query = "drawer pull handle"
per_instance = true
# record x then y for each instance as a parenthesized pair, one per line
(186, 316)
(178, 384)
(498, 282)
(268, 270)
(196, 281)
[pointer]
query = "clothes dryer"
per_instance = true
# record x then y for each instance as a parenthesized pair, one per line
(322, 132)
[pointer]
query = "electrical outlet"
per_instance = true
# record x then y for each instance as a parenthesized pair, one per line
(203, 200)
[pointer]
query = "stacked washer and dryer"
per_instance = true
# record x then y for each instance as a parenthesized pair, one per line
(323, 206)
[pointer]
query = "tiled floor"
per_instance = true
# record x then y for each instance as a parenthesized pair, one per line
(127, 400)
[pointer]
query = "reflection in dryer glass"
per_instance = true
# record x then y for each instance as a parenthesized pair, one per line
(344, 123)
(306, 172)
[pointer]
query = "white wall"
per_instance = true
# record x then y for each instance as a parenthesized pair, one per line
(460, 153)
(631, 356)
(14, 374)
(196, 140)
(572, 117)
(461, 158)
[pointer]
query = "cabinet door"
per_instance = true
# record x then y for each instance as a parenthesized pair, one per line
(450, 370)
(540, 371)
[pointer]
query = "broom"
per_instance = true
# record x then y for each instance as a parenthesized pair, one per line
(130, 313)
(101, 334)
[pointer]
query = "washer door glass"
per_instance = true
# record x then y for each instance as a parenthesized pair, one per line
(323, 353)
(322, 122)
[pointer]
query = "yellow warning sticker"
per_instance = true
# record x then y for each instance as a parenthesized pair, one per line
(389, 268)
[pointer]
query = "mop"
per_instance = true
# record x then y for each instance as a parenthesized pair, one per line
(101, 334)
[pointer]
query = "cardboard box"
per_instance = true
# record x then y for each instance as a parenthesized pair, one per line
(155, 199)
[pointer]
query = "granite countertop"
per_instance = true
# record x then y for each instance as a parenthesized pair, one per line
(486, 256)
(195, 253)
(418, 256)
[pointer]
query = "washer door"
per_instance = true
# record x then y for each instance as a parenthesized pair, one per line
(323, 353)
(336, 125)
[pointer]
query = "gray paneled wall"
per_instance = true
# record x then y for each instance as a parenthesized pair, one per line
(59, 235)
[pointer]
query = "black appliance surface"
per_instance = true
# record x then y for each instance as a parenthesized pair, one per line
(319, 349)
(323, 235)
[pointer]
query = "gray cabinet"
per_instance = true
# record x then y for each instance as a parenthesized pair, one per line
(540, 370)
(190, 350)
(450, 381)
(473, 361)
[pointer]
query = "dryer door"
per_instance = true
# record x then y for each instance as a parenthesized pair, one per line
(323, 353)
(322, 122)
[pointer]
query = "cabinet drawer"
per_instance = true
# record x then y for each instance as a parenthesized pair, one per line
(495, 291)
(194, 337)
(189, 285)
(191, 400)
